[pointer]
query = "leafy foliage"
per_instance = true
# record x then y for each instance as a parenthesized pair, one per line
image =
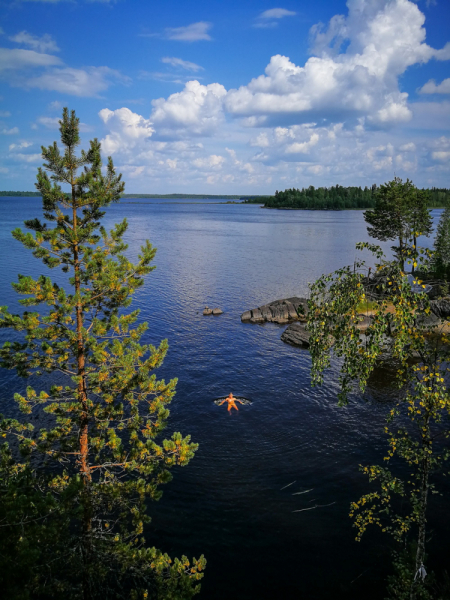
(103, 421)
(402, 333)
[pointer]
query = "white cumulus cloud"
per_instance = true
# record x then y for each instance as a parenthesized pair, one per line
(126, 128)
(302, 147)
(210, 162)
(197, 110)
(384, 39)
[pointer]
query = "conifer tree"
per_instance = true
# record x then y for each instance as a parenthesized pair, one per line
(401, 213)
(107, 408)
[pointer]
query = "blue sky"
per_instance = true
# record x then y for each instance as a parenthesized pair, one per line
(231, 97)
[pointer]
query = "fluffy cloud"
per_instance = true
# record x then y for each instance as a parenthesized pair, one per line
(41, 44)
(210, 162)
(77, 82)
(303, 147)
(196, 110)
(431, 88)
(384, 39)
(127, 129)
(324, 122)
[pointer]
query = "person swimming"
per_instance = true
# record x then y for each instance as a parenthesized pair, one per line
(231, 402)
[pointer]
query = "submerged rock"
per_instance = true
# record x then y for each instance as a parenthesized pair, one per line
(281, 311)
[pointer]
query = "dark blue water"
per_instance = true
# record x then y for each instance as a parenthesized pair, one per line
(229, 502)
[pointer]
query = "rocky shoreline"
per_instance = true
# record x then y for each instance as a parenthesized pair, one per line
(293, 311)
(281, 311)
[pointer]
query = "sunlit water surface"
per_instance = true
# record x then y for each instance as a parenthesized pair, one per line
(236, 502)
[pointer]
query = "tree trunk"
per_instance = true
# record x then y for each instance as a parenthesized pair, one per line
(86, 548)
(401, 253)
(420, 553)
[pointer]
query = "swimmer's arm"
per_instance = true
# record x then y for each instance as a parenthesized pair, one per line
(240, 401)
(220, 403)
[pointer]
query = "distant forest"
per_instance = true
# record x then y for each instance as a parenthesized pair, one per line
(20, 193)
(338, 198)
(258, 199)
(333, 198)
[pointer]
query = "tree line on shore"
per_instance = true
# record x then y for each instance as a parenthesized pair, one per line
(339, 197)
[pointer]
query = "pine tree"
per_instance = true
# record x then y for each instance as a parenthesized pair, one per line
(104, 420)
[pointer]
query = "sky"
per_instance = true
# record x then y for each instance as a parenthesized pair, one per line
(234, 97)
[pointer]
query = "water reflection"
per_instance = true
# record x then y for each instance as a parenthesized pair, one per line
(229, 503)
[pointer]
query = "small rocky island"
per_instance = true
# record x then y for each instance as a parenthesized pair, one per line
(289, 310)
(212, 311)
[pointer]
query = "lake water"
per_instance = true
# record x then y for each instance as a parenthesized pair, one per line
(236, 501)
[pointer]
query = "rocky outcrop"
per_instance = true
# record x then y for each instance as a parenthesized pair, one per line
(441, 308)
(217, 311)
(207, 311)
(280, 311)
(296, 335)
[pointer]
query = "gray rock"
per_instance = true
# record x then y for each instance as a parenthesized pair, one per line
(296, 335)
(441, 308)
(207, 311)
(257, 316)
(280, 311)
(427, 321)
(217, 311)
(266, 313)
